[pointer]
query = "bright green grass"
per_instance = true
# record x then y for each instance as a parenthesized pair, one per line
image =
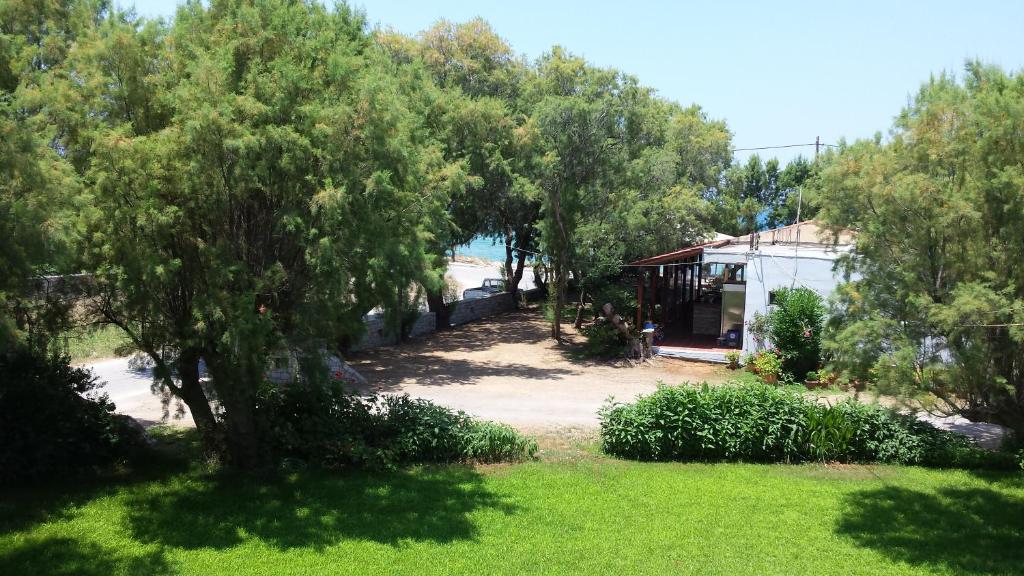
(87, 345)
(590, 516)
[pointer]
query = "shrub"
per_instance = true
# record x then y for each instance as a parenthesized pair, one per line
(493, 442)
(763, 423)
(767, 365)
(794, 327)
(603, 340)
(322, 424)
(733, 358)
(685, 423)
(49, 428)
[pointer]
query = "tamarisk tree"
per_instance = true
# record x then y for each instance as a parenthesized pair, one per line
(939, 305)
(256, 178)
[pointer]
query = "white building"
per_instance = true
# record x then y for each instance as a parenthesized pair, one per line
(703, 297)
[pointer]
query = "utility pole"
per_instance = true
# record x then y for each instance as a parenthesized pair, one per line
(817, 145)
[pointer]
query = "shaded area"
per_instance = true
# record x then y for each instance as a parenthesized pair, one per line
(517, 327)
(23, 507)
(429, 370)
(59, 556)
(314, 510)
(965, 530)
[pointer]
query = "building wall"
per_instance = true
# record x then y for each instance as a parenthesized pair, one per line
(766, 273)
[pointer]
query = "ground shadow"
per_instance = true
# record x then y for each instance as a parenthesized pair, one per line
(314, 509)
(967, 531)
(53, 500)
(58, 556)
(429, 370)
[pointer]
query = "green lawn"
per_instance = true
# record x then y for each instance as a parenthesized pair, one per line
(576, 516)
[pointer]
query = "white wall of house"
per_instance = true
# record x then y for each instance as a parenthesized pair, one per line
(773, 267)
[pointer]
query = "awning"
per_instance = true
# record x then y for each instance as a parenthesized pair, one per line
(676, 255)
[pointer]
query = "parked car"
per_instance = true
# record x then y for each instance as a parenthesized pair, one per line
(490, 287)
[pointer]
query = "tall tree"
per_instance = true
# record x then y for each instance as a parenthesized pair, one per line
(36, 183)
(256, 180)
(482, 121)
(939, 304)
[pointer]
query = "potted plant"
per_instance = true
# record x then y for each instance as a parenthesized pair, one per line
(813, 380)
(768, 366)
(733, 358)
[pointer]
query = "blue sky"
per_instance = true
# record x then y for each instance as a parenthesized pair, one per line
(778, 72)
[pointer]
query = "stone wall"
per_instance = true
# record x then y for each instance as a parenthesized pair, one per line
(469, 310)
(378, 333)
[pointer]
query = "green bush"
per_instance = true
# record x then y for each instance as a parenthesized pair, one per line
(49, 429)
(603, 340)
(767, 365)
(794, 328)
(323, 425)
(761, 423)
(492, 442)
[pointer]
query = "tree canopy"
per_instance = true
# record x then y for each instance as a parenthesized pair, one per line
(939, 302)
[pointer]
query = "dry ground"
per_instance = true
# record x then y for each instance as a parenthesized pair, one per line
(507, 368)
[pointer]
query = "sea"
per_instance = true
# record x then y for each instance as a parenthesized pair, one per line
(485, 248)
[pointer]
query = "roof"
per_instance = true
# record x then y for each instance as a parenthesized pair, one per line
(790, 250)
(679, 254)
(807, 234)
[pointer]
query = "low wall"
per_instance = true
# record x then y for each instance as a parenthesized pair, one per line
(477, 308)
(378, 333)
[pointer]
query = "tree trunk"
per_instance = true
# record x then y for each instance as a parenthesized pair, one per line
(435, 303)
(509, 257)
(580, 307)
(236, 390)
(634, 345)
(193, 395)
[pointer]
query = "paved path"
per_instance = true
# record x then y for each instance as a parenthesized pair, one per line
(131, 390)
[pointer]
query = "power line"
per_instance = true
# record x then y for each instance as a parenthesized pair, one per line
(784, 146)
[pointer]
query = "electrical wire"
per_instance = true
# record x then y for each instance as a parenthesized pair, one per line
(782, 146)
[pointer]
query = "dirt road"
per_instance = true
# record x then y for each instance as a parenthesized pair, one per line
(506, 368)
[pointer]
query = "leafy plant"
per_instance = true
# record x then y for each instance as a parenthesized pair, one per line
(603, 340)
(764, 423)
(794, 327)
(767, 365)
(322, 424)
(492, 442)
(733, 358)
(54, 423)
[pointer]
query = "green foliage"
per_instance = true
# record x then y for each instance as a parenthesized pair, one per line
(325, 426)
(491, 442)
(795, 327)
(758, 195)
(89, 344)
(603, 340)
(939, 302)
(54, 423)
(769, 424)
(767, 365)
(733, 358)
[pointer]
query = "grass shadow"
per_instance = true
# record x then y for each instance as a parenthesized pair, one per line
(24, 506)
(964, 530)
(59, 556)
(312, 509)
